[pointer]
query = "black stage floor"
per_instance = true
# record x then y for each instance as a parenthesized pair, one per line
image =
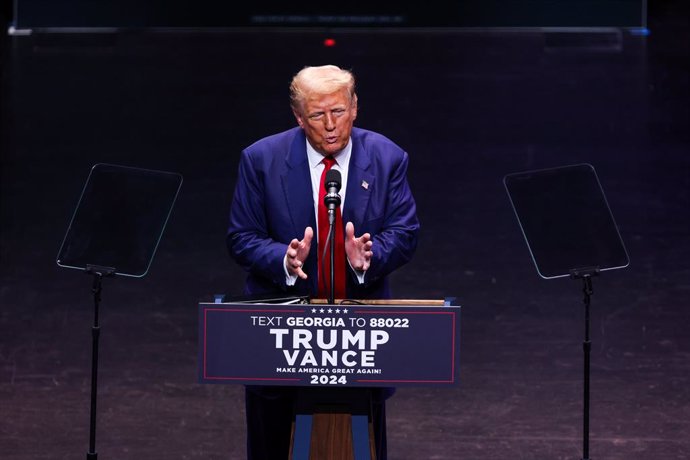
(469, 106)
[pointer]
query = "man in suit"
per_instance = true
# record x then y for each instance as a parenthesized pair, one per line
(275, 212)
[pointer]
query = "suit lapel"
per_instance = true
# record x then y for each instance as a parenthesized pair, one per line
(359, 184)
(296, 182)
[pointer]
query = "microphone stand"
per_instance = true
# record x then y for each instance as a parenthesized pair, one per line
(332, 202)
(331, 240)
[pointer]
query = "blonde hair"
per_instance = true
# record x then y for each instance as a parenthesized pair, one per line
(324, 79)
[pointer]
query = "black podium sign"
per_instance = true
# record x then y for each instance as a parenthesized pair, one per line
(329, 345)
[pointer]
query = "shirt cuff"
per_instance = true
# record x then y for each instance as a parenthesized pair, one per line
(358, 273)
(290, 280)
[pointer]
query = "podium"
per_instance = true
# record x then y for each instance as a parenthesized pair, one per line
(336, 354)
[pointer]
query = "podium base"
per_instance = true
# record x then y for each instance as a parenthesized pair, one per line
(333, 424)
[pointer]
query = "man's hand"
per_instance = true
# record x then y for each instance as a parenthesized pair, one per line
(358, 250)
(297, 253)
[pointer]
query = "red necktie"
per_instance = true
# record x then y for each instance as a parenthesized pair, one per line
(339, 259)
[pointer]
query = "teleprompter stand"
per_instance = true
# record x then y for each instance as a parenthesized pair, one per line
(586, 275)
(115, 230)
(98, 273)
(570, 231)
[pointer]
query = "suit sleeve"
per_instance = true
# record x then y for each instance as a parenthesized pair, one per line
(395, 243)
(248, 238)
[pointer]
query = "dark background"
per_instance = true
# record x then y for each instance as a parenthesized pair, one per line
(381, 13)
(469, 105)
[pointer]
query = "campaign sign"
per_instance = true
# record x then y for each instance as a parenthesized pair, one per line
(328, 345)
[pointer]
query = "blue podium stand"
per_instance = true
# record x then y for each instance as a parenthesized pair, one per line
(337, 354)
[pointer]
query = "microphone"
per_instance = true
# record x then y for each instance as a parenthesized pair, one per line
(332, 183)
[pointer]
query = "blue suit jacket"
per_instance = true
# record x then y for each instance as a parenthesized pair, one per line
(273, 203)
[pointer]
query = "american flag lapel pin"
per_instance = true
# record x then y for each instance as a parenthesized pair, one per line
(365, 185)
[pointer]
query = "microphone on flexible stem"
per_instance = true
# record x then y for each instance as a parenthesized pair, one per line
(332, 199)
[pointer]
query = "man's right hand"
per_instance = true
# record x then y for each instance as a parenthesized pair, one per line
(297, 253)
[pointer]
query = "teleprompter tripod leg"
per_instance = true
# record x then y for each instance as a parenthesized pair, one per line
(95, 335)
(587, 348)
(98, 273)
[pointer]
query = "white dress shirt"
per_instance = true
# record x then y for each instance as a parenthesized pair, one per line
(316, 166)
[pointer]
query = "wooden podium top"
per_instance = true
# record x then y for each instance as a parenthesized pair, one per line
(428, 302)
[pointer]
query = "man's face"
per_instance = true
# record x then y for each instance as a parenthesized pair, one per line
(327, 120)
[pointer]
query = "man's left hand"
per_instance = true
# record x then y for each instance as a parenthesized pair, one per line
(358, 250)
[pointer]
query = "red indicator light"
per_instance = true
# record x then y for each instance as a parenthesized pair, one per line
(329, 42)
